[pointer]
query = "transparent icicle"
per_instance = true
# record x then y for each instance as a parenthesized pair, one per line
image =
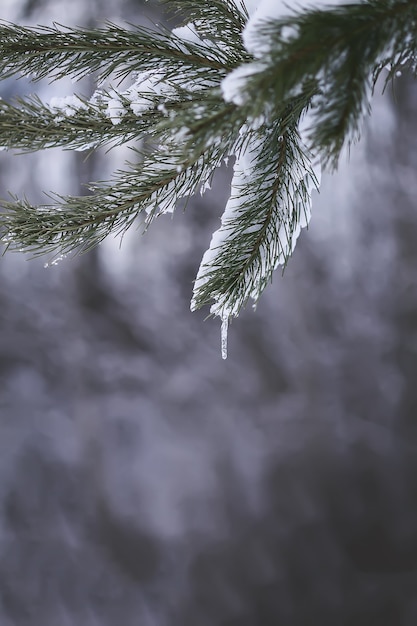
(225, 327)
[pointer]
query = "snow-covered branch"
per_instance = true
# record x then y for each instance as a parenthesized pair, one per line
(278, 91)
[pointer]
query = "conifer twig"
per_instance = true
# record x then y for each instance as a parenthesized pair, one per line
(281, 96)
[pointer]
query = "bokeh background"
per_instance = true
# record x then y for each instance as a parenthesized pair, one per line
(144, 481)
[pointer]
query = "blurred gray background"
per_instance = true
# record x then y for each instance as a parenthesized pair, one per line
(144, 481)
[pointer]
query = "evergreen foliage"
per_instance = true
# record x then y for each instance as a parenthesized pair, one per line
(288, 95)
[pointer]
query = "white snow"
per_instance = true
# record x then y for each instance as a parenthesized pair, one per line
(189, 33)
(68, 105)
(233, 85)
(146, 87)
(262, 10)
(115, 109)
(139, 97)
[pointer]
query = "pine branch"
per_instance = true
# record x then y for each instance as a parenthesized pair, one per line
(180, 164)
(270, 202)
(208, 123)
(224, 15)
(343, 49)
(78, 223)
(56, 53)
(219, 22)
(31, 125)
(199, 95)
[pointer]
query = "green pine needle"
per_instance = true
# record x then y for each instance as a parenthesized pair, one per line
(199, 97)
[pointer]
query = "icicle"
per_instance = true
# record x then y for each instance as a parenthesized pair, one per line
(225, 326)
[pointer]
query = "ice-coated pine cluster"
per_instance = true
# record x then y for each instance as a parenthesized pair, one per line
(234, 90)
(151, 86)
